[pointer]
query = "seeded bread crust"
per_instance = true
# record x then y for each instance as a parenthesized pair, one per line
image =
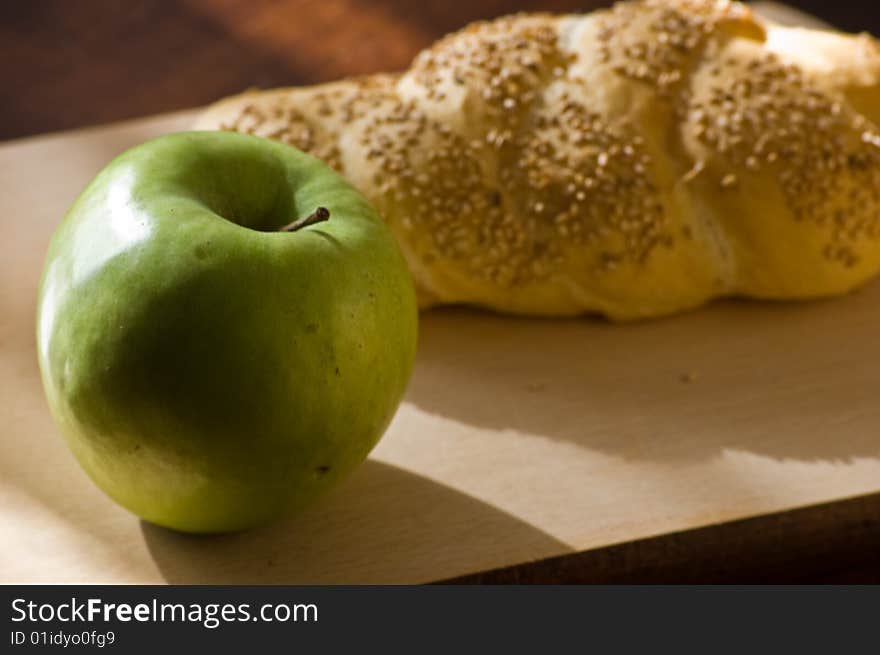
(632, 162)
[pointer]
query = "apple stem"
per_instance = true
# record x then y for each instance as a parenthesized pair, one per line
(320, 215)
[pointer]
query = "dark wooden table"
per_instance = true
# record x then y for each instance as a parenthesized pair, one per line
(70, 64)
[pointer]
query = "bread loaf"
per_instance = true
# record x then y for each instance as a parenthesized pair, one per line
(631, 162)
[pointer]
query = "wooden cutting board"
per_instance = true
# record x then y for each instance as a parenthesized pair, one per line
(518, 440)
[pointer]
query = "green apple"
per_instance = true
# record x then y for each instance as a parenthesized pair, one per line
(212, 361)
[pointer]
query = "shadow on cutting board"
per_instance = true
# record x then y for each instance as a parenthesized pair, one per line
(384, 525)
(784, 380)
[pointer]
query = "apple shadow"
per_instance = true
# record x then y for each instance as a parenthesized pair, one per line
(383, 525)
(781, 380)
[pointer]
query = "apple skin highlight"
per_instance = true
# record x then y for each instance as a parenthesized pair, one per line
(209, 371)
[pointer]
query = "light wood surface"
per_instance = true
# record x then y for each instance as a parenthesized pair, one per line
(518, 440)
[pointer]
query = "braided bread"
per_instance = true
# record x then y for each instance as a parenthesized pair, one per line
(632, 162)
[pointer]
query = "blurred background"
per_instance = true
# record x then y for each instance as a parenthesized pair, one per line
(69, 64)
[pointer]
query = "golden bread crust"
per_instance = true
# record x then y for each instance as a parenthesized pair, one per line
(631, 162)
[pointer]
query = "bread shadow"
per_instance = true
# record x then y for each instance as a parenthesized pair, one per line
(383, 525)
(784, 380)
